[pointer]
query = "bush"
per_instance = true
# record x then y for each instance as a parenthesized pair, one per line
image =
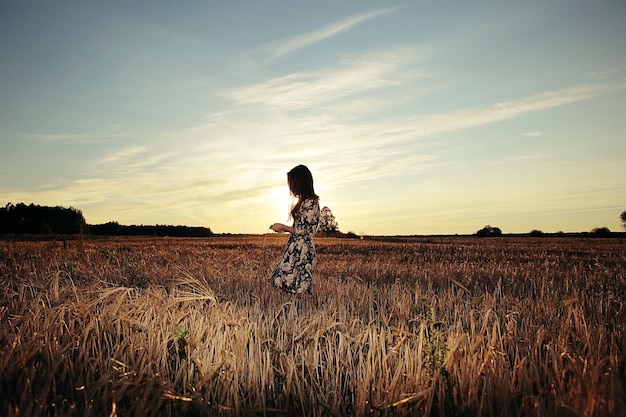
(601, 232)
(489, 231)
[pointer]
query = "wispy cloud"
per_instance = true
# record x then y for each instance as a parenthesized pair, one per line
(279, 48)
(305, 115)
(338, 99)
(123, 154)
(73, 137)
(430, 124)
(307, 89)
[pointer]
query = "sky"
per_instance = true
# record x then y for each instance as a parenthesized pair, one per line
(415, 117)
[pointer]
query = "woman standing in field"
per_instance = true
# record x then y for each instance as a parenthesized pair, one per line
(294, 273)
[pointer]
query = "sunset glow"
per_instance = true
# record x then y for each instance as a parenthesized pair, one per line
(414, 117)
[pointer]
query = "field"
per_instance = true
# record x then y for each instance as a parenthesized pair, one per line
(422, 327)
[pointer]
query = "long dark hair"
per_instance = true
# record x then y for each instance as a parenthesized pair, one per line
(300, 182)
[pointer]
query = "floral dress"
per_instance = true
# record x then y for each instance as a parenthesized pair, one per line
(294, 273)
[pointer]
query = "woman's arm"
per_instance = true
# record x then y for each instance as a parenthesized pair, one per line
(281, 228)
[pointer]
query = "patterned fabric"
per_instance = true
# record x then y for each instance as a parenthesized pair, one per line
(294, 273)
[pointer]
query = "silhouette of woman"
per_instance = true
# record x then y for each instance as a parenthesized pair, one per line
(294, 272)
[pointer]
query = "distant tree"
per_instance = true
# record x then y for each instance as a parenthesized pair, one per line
(622, 217)
(536, 233)
(34, 219)
(489, 231)
(116, 229)
(328, 223)
(109, 229)
(601, 232)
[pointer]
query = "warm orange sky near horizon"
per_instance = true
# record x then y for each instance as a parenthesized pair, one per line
(414, 117)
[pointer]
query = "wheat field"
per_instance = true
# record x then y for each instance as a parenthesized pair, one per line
(453, 326)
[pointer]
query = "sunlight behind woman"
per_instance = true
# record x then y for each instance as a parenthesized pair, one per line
(281, 201)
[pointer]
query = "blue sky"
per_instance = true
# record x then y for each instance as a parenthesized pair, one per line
(415, 117)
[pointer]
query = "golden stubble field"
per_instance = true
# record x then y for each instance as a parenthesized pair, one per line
(432, 327)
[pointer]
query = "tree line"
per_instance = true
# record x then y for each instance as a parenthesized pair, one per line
(34, 220)
(491, 231)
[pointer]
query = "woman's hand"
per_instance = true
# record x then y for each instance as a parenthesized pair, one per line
(281, 228)
(278, 227)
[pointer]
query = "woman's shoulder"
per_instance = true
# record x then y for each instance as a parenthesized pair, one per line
(311, 201)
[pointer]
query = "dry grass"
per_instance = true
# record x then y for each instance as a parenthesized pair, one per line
(189, 327)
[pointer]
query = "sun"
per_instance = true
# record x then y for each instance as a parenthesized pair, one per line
(281, 201)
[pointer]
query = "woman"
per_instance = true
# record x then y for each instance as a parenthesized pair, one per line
(294, 273)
